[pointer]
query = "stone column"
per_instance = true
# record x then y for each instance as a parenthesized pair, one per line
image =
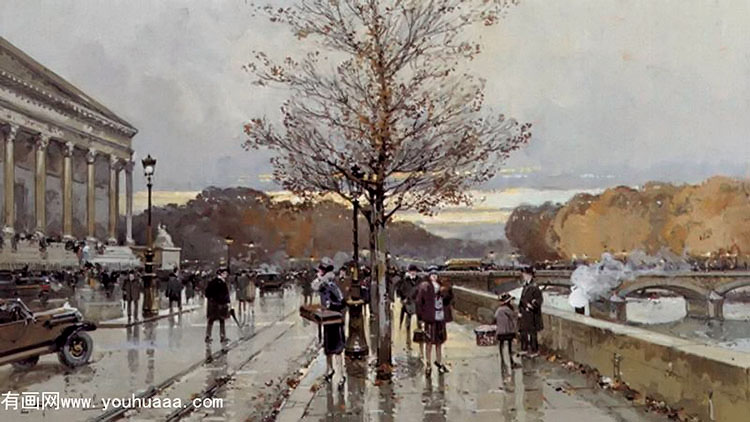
(129, 203)
(91, 195)
(40, 197)
(10, 181)
(114, 163)
(68, 190)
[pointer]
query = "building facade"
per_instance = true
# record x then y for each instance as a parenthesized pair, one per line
(63, 155)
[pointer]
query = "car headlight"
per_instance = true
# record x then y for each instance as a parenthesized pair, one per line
(79, 315)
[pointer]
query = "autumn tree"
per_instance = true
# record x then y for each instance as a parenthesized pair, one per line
(384, 85)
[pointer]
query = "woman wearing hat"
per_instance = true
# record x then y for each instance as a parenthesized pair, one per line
(406, 290)
(433, 302)
(331, 299)
(506, 321)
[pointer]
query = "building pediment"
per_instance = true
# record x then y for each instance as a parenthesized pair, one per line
(21, 72)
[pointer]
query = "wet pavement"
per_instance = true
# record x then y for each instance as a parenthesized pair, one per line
(168, 359)
(472, 391)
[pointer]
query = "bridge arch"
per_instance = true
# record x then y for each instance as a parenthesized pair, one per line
(725, 288)
(687, 290)
(696, 297)
(721, 291)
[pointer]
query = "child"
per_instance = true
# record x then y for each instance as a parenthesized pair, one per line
(506, 320)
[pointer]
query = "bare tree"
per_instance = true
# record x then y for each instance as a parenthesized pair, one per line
(387, 88)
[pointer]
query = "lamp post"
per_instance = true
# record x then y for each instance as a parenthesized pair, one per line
(229, 240)
(356, 343)
(150, 293)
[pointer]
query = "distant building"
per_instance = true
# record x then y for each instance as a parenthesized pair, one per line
(62, 156)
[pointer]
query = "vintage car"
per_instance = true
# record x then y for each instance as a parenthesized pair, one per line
(26, 335)
(266, 281)
(26, 288)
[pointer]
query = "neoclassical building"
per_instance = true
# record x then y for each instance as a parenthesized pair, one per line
(62, 156)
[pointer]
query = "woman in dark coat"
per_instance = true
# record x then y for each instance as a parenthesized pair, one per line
(433, 303)
(331, 299)
(406, 291)
(530, 307)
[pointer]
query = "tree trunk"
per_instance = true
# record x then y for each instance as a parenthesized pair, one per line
(384, 307)
(374, 303)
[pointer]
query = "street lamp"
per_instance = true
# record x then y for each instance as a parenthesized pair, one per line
(150, 294)
(229, 240)
(356, 343)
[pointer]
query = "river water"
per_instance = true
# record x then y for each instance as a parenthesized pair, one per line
(667, 315)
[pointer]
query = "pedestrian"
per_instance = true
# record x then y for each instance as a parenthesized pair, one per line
(332, 299)
(251, 290)
(188, 282)
(530, 307)
(174, 291)
(407, 292)
(104, 281)
(307, 290)
(217, 294)
(131, 293)
(506, 323)
(243, 282)
(433, 304)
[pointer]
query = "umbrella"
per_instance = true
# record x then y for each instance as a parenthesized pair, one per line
(234, 317)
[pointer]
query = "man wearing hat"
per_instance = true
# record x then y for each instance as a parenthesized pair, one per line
(217, 294)
(530, 306)
(131, 293)
(506, 321)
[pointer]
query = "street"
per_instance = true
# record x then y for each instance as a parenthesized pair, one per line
(168, 359)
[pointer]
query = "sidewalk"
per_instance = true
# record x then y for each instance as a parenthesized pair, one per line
(472, 391)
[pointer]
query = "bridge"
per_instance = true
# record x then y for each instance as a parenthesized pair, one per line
(704, 292)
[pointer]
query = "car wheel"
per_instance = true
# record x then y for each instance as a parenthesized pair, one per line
(27, 363)
(77, 350)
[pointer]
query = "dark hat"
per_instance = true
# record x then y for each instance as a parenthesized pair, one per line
(413, 267)
(528, 270)
(222, 270)
(505, 298)
(326, 264)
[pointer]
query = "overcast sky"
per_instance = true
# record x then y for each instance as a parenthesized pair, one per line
(618, 91)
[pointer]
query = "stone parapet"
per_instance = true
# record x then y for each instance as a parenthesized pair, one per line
(710, 382)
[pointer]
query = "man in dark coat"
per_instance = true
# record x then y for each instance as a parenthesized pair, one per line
(530, 307)
(131, 293)
(174, 291)
(217, 294)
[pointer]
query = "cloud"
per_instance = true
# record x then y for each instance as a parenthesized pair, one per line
(630, 88)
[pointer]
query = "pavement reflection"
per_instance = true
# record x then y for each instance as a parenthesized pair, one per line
(474, 390)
